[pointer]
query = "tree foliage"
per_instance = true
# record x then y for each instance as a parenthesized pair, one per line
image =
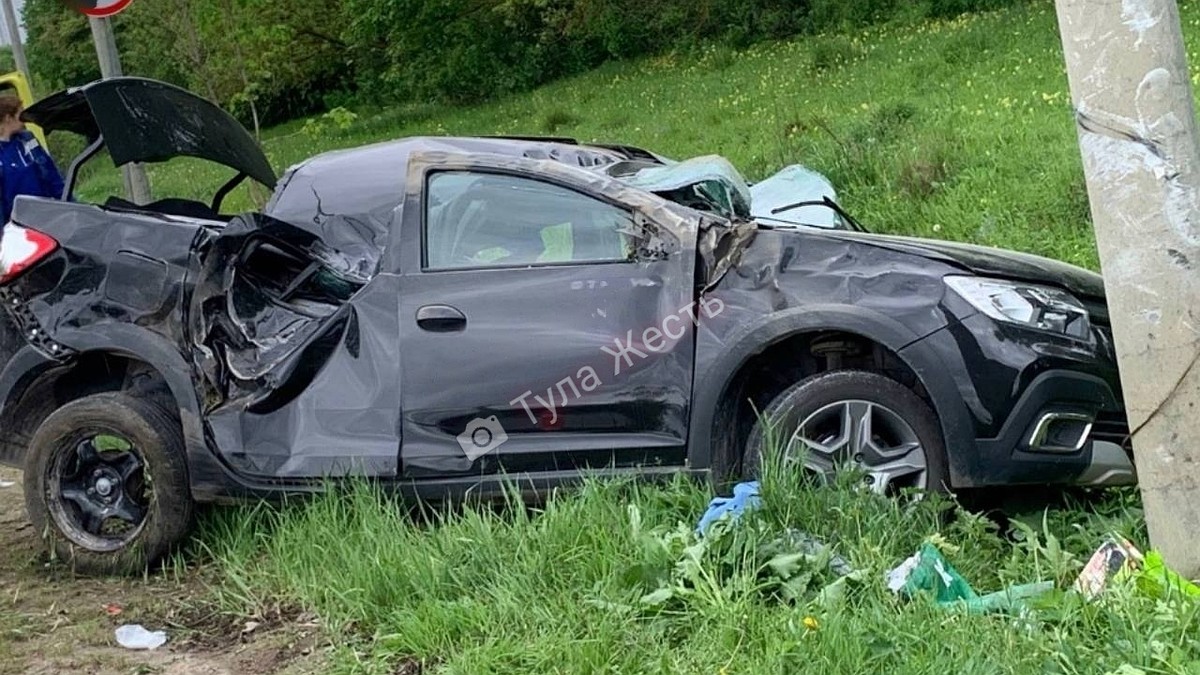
(268, 60)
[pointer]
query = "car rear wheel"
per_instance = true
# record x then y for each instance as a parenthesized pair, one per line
(106, 483)
(857, 419)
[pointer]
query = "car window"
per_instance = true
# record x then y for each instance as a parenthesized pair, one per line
(476, 219)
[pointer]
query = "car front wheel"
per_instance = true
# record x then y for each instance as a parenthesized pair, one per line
(106, 483)
(857, 419)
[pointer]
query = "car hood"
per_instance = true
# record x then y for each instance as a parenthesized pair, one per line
(994, 262)
(144, 120)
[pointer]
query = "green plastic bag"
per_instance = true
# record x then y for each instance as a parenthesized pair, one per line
(927, 572)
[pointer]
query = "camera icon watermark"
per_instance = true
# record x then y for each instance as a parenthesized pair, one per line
(482, 435)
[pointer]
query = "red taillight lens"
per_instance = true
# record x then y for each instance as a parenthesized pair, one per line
(20, 249)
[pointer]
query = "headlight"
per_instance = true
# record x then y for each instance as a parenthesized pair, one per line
(1041, 307)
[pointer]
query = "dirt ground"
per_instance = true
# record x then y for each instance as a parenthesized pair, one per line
(54, 622)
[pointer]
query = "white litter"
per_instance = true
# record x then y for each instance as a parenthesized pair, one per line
(898, 576)
(136, 637)
(6, 484)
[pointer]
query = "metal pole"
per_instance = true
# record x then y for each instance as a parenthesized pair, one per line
(137, 186)
(1127, 67)
(14, 40)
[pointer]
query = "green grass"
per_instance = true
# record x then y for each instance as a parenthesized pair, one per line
(958, 129)
(561, 588)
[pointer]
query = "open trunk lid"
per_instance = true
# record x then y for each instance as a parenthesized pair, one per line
(144, 120)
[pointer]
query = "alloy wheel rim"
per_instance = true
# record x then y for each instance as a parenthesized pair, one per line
(98, 492)
(866, 436)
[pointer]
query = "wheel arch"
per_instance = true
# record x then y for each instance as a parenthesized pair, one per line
(719, 425)
(114, 357)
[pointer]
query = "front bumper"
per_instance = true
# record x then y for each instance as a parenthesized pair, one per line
(1039, 409)
(1066, 427)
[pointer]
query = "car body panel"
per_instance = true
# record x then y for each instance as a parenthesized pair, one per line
(988, 261)
(790, 281)
(536, 331)
(143, 120)
(296, 355)
(114, 286)
(786, 282)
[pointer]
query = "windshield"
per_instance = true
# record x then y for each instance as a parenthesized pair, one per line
(825, 210)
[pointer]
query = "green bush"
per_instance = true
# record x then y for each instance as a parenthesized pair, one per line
(469, 50)
(259, 58)
(268, 61)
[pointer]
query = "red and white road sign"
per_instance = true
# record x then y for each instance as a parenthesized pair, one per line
(99, 8)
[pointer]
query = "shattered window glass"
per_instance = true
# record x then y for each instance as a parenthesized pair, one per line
(495, 220)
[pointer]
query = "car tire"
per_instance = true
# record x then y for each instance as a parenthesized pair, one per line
(905, 446)
(106, 484)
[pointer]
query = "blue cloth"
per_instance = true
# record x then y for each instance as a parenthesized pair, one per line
(27, 170)
(745, 496)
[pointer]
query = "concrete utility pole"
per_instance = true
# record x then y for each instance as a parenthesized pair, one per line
(14, 40)
(1127, 66)
(137, 186)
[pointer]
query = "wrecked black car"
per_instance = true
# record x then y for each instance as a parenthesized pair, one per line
(453, 315)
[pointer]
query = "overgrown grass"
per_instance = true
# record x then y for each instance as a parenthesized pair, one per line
(614, 578)
(959, 129)
(563, 587)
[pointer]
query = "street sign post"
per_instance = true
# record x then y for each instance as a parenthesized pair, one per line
(137, 186)
(12, 24)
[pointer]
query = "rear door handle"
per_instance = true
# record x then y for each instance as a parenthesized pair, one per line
(441, 319)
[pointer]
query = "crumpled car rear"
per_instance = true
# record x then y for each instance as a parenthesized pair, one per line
(285, 352)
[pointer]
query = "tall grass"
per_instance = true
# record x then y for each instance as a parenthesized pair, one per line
(563, 587)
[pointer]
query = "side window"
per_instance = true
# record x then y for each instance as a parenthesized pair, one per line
(476, 219)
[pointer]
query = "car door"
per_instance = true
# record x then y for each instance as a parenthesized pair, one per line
(295, 344)
(544, 319)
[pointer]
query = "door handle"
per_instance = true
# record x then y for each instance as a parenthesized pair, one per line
(441, 319)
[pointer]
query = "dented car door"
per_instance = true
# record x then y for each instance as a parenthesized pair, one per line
(545, 319)
(296, 346)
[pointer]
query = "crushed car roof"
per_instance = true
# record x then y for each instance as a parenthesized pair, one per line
(365, 179)
(144, 120)
(362, 180)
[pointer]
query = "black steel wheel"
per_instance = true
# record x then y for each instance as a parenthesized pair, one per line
(853, 419)
(106, 483)
(97, 491)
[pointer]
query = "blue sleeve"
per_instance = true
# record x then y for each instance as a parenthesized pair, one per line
(52, 181)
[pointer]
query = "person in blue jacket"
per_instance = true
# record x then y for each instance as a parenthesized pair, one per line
(25, 166)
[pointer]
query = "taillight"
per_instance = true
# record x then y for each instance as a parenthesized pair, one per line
(20, 249)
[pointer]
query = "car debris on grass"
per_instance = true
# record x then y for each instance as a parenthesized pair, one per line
(1116, 560)
(927, 572)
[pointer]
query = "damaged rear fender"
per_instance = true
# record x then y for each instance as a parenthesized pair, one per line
(295, 343)
(127, 341)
